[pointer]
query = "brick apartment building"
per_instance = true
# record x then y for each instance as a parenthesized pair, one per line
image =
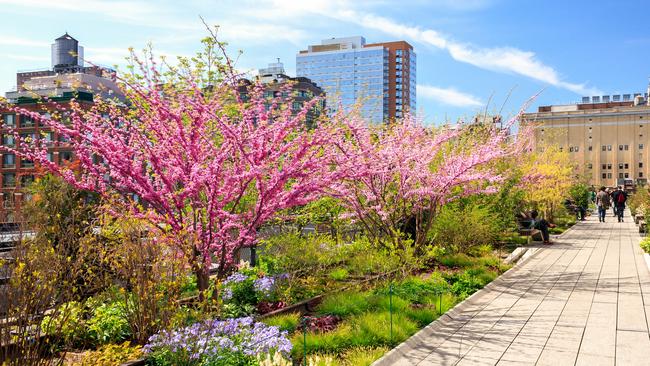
(66, 79)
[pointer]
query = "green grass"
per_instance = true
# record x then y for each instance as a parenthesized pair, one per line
(416, 289)
(288, 322)
(456, 260)
(344, 304)
(339, 274)
(363, 356)
(366, 330)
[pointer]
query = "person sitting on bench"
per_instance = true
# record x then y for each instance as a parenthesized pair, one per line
(542, 225)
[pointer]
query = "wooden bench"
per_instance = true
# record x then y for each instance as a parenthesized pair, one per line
(638, 219)
(525, 229)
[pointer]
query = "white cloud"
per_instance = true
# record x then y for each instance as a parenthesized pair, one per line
(500, 59)
(17, 41)
(449, 96)
(27, 57)
(133, 12)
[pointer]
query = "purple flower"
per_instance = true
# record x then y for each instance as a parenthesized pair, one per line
(264, 285)
(210, 340)
(226, 294)
(235, 278)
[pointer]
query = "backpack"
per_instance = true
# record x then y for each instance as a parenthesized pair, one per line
(620, 198)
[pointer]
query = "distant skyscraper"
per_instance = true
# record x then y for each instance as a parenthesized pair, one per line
(378, 76)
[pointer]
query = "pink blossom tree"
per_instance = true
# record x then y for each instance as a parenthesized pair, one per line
(202, 165)
(401, 175)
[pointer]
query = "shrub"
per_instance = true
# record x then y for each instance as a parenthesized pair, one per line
(344, 304)
(458, 260)
(109, 324)
(285, 322)
(111, 355)
(470, 281)
(232, 342)
(462, 227)
(68, 322)
(480, 250)
(645, 245)
(339, 274)
(242, 291)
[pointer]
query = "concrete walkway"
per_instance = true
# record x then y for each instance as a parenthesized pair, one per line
(583, 301)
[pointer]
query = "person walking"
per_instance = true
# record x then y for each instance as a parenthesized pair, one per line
(618, 198)
(602, 202)
(610, 192)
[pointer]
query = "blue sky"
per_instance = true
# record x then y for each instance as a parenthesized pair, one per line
(471, 53)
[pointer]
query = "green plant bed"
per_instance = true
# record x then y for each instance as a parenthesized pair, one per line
(645, 245)
(286, 322)
(364, 330)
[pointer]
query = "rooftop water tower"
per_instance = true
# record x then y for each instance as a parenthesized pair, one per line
(67, 55)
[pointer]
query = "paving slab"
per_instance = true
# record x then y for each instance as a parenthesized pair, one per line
(583, 301)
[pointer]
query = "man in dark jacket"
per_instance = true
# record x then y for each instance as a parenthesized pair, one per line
(618, 200)
(542, 225)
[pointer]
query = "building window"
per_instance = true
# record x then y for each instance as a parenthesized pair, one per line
(609, 166)
(26, 121)
(604, 148)
(620, 166)
(590, 166)
(620, 147)
(570, 148)
(65, 156)
(640, 174)
(8, 200)
(640, 146)
(9, 180)
(9, 120)
(604, 176)
(609, 175)
(620, 175)
(8, 161)
(604, 166)
(590, 148)
(50, 156)
(627, 166)
(49, 138)
(8, 140)
(296, 106)
(26, 163)
(640, 165)
(627, 175)
(26, 180)
(627, 147)
(609, 147)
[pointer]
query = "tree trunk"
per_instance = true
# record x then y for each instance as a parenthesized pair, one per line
(202, 273)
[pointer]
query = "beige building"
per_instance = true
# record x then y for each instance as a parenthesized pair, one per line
(607, 136)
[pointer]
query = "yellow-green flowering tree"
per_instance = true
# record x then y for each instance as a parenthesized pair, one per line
(549, 174)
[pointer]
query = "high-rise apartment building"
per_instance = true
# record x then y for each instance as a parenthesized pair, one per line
(607, 136)
(378, 78)
(67, 79)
